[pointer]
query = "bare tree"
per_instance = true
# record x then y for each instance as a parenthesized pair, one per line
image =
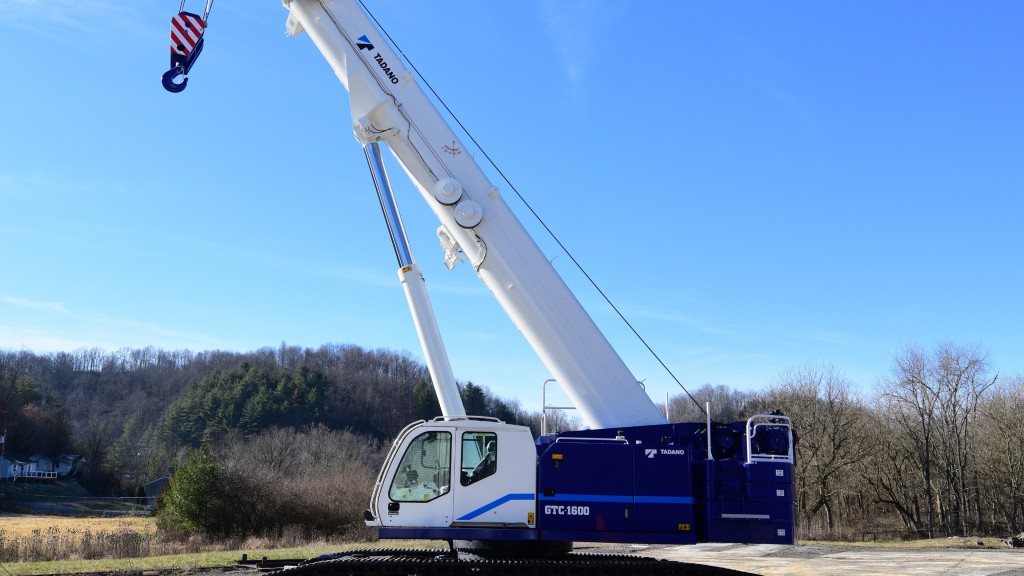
(1001, 455)
(830, 421)
(963, 377)
(891, 473)
(933, 400)
(727, 404)
(909, 397)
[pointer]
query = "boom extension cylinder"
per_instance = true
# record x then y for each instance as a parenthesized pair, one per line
(415, 291)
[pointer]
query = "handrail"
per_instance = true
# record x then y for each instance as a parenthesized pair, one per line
(589, 439)
(544, 407)
(774, 421)
(33, 475)
(707, 431)
(475, 418)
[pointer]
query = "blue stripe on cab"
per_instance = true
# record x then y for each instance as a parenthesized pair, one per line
(494, 504)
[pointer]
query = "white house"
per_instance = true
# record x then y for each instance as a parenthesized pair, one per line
(14, 466)
(69, 464)
(42, 463)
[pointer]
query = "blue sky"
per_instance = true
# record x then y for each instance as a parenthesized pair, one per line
(757, 186)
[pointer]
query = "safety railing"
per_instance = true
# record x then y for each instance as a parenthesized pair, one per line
(33, 475)
(769, 438)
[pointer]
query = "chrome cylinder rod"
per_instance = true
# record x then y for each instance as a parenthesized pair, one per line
(388, 205)
(415, 291)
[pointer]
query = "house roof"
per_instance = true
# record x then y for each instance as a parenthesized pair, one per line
(16, 457)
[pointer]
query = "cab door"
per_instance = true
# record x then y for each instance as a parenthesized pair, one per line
(417, 491)
(496, 481)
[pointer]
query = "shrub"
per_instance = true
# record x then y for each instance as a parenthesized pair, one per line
(191, 502)
(314, 482)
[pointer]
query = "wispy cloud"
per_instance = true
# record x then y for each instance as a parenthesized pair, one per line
(25, 303)
(72, 13)
(74, 329)
(35, 185)
(772, 74)
(693, 323)
(86, 23)
(38, 340)
(576, 28)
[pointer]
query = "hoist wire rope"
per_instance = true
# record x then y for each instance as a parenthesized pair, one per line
(532, 211)
(206, 14)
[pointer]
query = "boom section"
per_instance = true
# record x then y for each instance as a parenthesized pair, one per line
(387, 105)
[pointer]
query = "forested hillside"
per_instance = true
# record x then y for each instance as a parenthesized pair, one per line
(935, 447)
(131, 412)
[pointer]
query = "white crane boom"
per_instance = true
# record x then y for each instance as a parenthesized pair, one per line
(388, 106)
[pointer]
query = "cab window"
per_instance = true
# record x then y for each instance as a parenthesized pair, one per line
(423, 473)
(479, 456)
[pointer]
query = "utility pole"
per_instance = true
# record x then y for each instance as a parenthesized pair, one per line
(3, 446)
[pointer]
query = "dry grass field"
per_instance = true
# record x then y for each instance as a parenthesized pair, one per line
(31, 545)
(27, 538)
(23, 525)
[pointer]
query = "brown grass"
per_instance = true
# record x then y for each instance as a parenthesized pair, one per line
(42, 539)
(24, 524)
(956, 542)
(32, 545)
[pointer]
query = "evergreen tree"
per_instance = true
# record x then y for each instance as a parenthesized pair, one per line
(425, 404)
(191, 501)
(246, 398)
(474, 399)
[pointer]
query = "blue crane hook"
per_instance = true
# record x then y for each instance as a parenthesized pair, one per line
(171, 75)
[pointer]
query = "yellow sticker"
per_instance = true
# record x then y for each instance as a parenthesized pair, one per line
(556, 456)
(529, 519)
(684, 527)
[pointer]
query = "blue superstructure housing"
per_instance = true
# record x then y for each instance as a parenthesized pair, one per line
(656, 484)
(652, 484)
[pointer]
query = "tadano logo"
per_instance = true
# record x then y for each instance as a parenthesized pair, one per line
(650, 452)
(363, 43)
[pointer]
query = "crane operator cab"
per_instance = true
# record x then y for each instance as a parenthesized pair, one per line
(456, 478)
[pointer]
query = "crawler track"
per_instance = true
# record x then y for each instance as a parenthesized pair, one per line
(445, 563)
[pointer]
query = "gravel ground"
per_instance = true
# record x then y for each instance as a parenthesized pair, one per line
(771, 560)
(837, 560)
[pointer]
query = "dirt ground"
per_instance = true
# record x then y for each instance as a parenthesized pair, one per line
(824, 560)
(838, 560)
(814, 559)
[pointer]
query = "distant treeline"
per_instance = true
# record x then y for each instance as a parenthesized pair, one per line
(935, 448)
(131, 412)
